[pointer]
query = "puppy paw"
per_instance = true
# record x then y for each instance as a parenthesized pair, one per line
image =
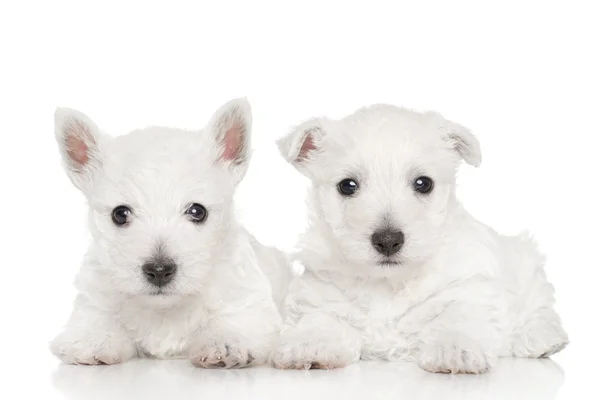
(92, 350)
(220, 354)
(453, 359)
(314, 356)
(554, 349)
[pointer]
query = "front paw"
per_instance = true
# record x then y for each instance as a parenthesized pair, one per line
(451, 358)
(220, 354)
(82, 349)
(315, 355)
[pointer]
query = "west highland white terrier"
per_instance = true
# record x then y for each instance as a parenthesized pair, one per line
(170, 272)
(395, 267)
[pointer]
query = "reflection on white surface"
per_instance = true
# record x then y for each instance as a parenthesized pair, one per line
(177, 379)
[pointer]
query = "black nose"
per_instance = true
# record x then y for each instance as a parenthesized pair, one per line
(159, 274)
(387, 242)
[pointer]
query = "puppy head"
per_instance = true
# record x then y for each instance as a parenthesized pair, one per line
(383, 181)
(160, 199)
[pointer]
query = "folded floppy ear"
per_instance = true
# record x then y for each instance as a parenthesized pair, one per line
(460, 139)
(230, 128)
(302, 144)
(79, 141)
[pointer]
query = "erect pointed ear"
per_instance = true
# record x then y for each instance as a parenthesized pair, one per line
(302, 144)
(80, 142)
(460, 139)
(230, 129)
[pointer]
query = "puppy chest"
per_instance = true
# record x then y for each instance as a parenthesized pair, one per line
(388, 336)
(163, 335)
(385, 342)
(387, 329)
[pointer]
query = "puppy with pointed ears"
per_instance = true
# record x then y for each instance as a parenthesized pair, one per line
(395, 267)
(170, 272)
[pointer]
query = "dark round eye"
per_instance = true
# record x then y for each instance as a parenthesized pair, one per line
(423, 184)
(348, 187)
(120, 215)
(197, 213)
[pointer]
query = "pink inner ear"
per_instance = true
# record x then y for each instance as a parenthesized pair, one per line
(307, 146)
(232, 143)
(77, 149)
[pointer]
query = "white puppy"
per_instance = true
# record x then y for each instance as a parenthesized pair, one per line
(396, 268)
(170, 272)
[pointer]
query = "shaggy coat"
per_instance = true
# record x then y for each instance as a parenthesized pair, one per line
(395, 267)
(170, 272)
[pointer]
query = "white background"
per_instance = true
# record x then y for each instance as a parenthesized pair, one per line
(524, 76)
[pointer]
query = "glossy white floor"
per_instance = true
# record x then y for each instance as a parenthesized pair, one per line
(521, 379)
(177, 379)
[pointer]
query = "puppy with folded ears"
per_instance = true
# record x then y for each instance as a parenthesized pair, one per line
(170, 272)
(395, 267)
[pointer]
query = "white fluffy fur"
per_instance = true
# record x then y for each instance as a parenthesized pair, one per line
(461, 295)
(220, 308)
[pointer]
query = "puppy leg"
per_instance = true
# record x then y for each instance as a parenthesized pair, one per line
(540, 335)
(237, 340)
(537, 330)
(464, 338)
(317, 341)
(92, 337)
